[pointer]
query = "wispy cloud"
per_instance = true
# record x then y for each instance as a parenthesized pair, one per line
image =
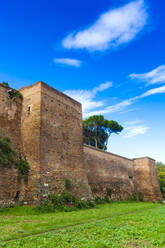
(158, 90)
(115, 27)
(86, 97)
(153, 77)
(102, 87)
(134, 128)
(68, 62)
(128, 110)
(132, 123)
(122, 105)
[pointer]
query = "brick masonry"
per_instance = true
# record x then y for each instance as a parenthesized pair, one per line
(10, 125)
(123, 176)
(46, 128)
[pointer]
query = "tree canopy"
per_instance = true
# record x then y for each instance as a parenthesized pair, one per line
(97, 130)
(161, 177)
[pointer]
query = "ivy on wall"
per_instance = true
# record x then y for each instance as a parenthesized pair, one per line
(8, 157)
(12, 92)
(7, 154)
(23, 170)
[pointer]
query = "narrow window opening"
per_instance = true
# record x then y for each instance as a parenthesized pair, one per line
(29, 110)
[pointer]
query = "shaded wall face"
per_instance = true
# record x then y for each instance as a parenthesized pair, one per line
(146, 179)
(10, 117)
(10, 126)
(61, 144)
(30, 131)
(105, 170)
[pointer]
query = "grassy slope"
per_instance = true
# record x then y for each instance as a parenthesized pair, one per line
(130, 223)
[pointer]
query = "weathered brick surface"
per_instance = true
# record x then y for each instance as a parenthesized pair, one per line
(124, 176)
(146, 179)
(10, 117)
(30, 134)
(61, 143)
(46, 129)
(10, 125)
(107, 170)
(52, 142)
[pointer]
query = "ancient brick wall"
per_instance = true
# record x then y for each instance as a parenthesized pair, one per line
(107, 170)
(46, 129)
(10, 126)
(10, 117)
(123, 176)
(30, 132)
(61, 144)
(146, 179)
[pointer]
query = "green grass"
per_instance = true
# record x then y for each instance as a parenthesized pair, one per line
(127, 225)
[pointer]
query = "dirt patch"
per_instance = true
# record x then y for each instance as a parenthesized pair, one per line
(134, 244)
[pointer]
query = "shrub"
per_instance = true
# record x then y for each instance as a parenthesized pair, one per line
(132, 198)
(23, 169)
(68, 185)
(140, 196)
(109, 192)
(64, 202)
(91, 204)
(15, 93)
(8, 157)
(55, 199)
(45, 206)
(7, 154)
(5, 84)
(99, 200)
(66, 197)
(79, 204)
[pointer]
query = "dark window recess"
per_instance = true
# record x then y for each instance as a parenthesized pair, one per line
(130, 177)
(16, 198)
(29, 110)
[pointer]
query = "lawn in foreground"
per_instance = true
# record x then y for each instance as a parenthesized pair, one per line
(129, 225)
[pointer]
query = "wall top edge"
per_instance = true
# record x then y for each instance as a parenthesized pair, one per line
(117, 155)
(51, 89)
(5, 86)
(105, 152)
(144, 158)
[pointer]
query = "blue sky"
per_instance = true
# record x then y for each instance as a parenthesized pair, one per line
(107, 54)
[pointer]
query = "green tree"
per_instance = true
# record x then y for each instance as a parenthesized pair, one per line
(161, 177)
(97, 130)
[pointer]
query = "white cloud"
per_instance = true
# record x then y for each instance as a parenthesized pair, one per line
(86, 97)
(122, 105)
(115, 27)
(128, 110)
(102, 87)
(68, 61)
(159, 90)
(132, 123)
(134, 130)
(111, 109)
(153, 77)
